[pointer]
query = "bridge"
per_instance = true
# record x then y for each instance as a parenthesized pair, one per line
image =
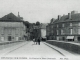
(28, 50)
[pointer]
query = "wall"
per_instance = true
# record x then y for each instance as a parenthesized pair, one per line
(70, 46)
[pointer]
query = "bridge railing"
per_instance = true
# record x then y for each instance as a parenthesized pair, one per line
(9, 42)
(70, 46)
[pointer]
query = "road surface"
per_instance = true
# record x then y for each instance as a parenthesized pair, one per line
(30, 51)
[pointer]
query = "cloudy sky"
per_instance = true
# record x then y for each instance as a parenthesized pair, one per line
(38, 10)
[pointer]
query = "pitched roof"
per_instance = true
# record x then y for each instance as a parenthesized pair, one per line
(74, 18)
(52, 21)
(10, 18)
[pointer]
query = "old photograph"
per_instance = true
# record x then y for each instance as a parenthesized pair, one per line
(39, 29)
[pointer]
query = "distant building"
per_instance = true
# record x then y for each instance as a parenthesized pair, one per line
(43, 30)
(12, 28)
(31, 30)
(49, 30)
(34, 31)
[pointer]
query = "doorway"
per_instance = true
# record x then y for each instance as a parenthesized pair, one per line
(78, 38)
(9, 38)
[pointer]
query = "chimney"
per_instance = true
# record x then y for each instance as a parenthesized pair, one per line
(59, 17)
(69, 16)
(18, 14)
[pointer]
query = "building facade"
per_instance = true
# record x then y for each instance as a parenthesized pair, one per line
(12, 28)
(43, 30)
(49, 30)
(67, 27)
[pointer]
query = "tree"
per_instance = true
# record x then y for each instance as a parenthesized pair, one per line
(27, 24)
(37, 23)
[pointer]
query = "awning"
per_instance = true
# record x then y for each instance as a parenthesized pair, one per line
(43, 37)
(70, 37)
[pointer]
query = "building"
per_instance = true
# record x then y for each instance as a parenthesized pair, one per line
(67, 27)
(36, 31)
(12, 28)
(31, 31)
(49, 30)
(43, 30)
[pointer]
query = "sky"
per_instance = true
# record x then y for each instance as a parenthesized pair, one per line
(38, 10)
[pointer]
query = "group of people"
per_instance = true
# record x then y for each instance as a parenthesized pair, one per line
(36, 41)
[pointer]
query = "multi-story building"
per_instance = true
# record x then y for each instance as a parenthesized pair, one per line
(67, 27)
(49, 30)
(12, 28)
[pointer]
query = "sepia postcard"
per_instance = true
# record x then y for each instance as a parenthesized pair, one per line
(39, 30)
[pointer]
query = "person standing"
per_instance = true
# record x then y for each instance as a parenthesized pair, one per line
(39, 41)
(34, 40)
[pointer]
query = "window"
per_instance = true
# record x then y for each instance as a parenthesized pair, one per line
(52, 26)
(75, 24)
(51, 31)
(2, 31)
(9, 31)
(57, 32)
(79, 23)
(78, 31)
(2, 38)
(57, 26)
(62, 25)
(70, 24)
(62, 31)
(71, 31)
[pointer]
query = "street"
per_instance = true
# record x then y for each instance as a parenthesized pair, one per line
(29, 50)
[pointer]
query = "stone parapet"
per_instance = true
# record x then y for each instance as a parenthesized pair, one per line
(70, 46)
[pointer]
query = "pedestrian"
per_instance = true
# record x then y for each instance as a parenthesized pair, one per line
(39, 41)
(34, 40)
